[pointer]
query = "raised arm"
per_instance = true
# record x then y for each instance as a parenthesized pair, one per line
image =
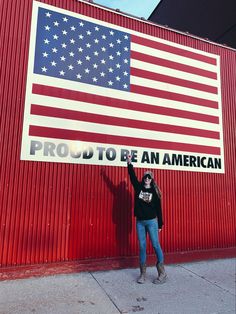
(132, 174)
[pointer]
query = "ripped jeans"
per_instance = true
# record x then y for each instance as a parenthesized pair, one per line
(151, 227)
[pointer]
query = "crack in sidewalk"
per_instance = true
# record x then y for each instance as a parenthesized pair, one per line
(202, 277)
(110, 298)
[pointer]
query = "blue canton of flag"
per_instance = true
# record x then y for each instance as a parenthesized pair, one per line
(78, 50)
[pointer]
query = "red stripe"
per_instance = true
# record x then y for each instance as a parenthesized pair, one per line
(119, 140)
(175, 50)
(172, 80)
(130, 123)
(172, 96)
(119, 103)
(172, 65)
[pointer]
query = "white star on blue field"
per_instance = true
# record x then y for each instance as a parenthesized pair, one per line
(139, 8)
(103, 54)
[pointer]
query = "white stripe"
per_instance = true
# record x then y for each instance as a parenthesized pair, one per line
(120, 113)
(174, 73)
(107, 92)
(135, 80)
(120, 131)
(172, 57)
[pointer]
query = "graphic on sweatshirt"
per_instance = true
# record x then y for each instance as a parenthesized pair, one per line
(145, 196)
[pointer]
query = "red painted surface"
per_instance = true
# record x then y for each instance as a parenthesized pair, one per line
(39, 270)
(54, 212)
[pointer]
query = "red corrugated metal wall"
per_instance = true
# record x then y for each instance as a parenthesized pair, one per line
(58, 212)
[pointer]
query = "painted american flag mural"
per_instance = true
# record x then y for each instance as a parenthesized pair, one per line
(97, 92)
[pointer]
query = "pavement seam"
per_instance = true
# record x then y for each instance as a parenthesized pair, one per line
(202, 277)
(110, 298)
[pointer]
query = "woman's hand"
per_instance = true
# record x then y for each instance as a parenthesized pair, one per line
(129, 157)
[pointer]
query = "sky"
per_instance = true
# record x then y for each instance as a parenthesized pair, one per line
(139, 8)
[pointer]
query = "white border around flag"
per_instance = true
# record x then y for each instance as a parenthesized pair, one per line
(167, 132)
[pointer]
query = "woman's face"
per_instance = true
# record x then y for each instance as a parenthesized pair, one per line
(147, 179)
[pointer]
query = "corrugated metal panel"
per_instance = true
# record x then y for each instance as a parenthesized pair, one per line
(58, 212)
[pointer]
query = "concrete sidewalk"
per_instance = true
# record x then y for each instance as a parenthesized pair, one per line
(204, 287)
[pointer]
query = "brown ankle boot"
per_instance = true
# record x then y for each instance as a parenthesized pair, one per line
(142, 276)
(162, 276)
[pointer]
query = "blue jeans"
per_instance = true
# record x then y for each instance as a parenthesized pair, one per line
(150, 226)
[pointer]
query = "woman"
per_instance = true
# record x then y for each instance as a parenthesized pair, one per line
(148, 213)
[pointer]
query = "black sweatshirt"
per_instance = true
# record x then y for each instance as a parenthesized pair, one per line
(147, 204)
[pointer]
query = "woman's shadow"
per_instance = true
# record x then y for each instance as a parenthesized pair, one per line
(121, 213)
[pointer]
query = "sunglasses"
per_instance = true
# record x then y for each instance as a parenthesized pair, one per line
(147, 177)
